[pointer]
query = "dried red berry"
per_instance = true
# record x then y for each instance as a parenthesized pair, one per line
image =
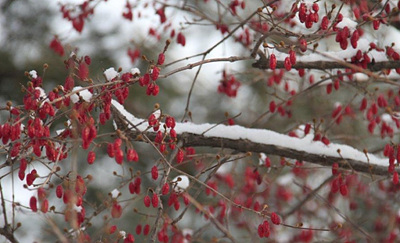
(116, 210)
(44, 206)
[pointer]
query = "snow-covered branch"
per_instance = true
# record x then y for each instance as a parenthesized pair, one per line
(328, 65)
(258, 141)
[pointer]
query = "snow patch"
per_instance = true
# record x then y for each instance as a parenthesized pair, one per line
(263, 136)
(110, 73)
(83, 92)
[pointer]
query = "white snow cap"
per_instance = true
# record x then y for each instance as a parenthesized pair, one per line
(262, 159)
(84, 93)
(77, 209)
(114, 193)
(157, 113)
(33, 74)
(42, 92)
(122, 234)
(110, 73)
(135, 71)
(182, 184)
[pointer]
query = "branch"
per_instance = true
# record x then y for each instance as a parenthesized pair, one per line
(259, 141)
(323, 65)
(206, 61)
(6, 232)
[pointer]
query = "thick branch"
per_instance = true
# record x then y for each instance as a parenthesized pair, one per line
(6, 232)
(323, 65)
(288, 147)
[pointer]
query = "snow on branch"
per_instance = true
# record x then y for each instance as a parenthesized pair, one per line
(325, 65)
(259, 141)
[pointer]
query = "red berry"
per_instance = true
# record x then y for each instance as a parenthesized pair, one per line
(83, 71)
(91, 157)
(138, 229)
(147, 201)
(343, 190)
(292, 55)
(110, 150)
(154, 172)
(260, 230)
(179, 156)
(132, 155)
(161, 59)
(59, 191)
(154, 74)
(335, 168)
(272, 61)
(303, 45)
(288, 65)
(146, 229)
(325, 23)
(181, 39)
(354, 39)
(395, 178)
(325, 140)
(116, 210)
(112, 229)
(315, 7)
(165, 189)
(272, 106)
(170, 122)
(376, 23)
(119, 156)
(45, 206)
(33, 203)
(266, 228)
(154, 200)
(275, 219)
(363, 105)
